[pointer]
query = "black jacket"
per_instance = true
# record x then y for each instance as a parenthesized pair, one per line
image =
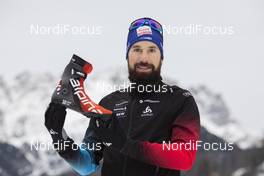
(150, 120)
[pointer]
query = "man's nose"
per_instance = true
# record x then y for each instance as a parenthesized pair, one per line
(143, 57)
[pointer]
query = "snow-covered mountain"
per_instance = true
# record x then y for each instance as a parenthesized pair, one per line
(24, 98)
(216, 118)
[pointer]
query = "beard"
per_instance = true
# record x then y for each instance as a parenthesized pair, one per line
(144, 78)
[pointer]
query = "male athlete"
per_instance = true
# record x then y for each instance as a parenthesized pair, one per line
(153, 127)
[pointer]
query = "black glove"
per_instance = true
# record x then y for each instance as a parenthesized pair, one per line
(109, 131)
(54, 122)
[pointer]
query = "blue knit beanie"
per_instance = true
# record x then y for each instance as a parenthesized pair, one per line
(145, 32)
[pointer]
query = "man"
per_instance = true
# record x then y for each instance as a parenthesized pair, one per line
(151, 125)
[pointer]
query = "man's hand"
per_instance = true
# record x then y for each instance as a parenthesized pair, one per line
(109, 131)
(54, 120)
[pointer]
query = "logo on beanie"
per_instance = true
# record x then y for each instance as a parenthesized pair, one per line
(144, 30)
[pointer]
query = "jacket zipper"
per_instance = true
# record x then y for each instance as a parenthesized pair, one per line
(128, 131)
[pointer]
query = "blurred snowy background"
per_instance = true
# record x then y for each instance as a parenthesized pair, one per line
(212, 48)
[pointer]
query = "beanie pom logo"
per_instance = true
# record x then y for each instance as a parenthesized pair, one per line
(144, 30)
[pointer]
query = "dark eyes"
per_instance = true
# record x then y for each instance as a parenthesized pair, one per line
(151, 50)
(137, 50)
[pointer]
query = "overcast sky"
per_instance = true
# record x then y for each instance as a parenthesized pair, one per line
(216, 43)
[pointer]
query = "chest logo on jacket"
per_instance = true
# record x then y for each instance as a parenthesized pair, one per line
(147, 112)
(120, 109)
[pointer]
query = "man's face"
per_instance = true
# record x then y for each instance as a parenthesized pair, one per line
(144, 62)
